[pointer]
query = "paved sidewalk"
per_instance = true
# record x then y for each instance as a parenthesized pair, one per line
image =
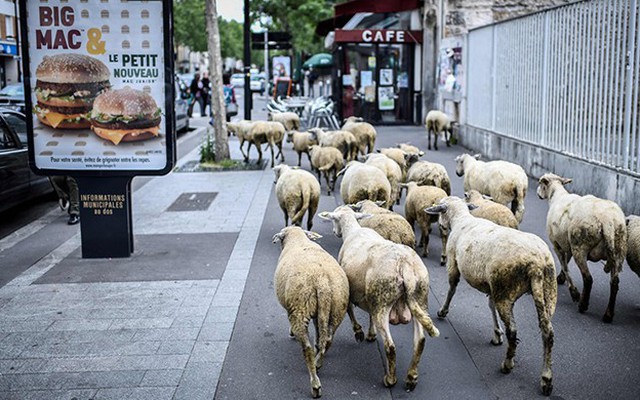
(73, 328)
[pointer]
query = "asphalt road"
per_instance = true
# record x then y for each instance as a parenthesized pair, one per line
(592, 360)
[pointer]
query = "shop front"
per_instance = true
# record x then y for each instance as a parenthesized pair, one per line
(375, 70)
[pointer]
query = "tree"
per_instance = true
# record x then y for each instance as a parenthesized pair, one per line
(215, 72)
(189, 24)
(231, 39)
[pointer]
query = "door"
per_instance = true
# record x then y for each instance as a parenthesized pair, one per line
(394, 95)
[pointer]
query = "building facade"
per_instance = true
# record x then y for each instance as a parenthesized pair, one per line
(9, 50)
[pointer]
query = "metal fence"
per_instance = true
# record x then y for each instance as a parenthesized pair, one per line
(565, 79)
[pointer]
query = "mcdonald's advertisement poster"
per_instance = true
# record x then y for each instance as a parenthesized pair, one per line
(97, 84)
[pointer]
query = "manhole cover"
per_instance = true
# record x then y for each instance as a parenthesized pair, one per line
(199, 201)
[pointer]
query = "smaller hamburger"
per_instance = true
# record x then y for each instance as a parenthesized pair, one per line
(125, 115)
(66, 85)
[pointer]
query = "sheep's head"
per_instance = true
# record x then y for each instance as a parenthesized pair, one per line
(278, 170)
(546, 183)
(290, 136)
(338, 217)
(365, 205)
(447, 208)
(460, 161)
(293, 230)
(472, 196)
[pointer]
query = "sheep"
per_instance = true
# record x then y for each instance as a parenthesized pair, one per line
(301, 142)
(290, 120)
(504, 264)
(488, 209)
(401, 157)
(364, 133)
(242, 130)
(438, 122)
(391, 170)
(387, 280)
(328, 161)
(419, 197)
(428, 173)
(505, 182)
(410, 149)
(341, 140)
(298, 192)
(310, 284)
(364, 182)
(268, 132)
(389, 225)
(585, 228)
(633, 243)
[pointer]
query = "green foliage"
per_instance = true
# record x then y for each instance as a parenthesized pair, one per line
(190, 28)
(231, 38)
(207, 153)
(298, 17)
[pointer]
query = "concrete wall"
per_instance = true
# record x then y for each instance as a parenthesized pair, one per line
(588, 178)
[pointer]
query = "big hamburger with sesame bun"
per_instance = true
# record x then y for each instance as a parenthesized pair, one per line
(125, 115)
(66, 85)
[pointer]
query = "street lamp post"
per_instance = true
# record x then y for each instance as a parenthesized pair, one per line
(247, 61)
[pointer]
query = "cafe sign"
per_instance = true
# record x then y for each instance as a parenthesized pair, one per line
(377, 36)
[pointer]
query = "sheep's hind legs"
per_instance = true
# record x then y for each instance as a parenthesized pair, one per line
(357, 328)
(608, 315)
(300, 330)
(505, 309)
(371, 334)
(418, 348)
(381, 320)
(497, 330)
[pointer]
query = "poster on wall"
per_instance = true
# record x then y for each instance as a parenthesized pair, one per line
(450, 69)
(386, 76)
(96, 83)
(386, 98)
(281, 66)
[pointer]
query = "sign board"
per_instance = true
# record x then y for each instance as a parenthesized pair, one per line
(98, 77)
(282, 87)
(377, 36)
(271, 36)
(281, 66)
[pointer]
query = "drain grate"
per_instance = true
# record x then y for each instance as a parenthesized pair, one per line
(199, 201)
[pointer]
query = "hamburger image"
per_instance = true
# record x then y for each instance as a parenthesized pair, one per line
(125, 115)
(66, 85)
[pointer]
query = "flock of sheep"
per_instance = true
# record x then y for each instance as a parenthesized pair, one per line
(378, 268)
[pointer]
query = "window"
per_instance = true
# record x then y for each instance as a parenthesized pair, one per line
(18, 124)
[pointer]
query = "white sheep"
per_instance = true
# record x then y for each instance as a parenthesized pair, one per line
(504, 264)
(429, 173)
(401, 157)
(269, 132)
(585, 228)
(388, 224)
(242, 130)
(310, 285)
(364, 182)
(488, 209)
(633, 243)
(301, 143)
(364, 133)
(290, 120)
(410, 149)
(392, 171)
(387, 280)
(298, 192)
(418, 198)
(344, 141)
(328, 161)
(438, 122)
(505, 182)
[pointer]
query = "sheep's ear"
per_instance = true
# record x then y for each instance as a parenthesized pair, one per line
(487, 197)
(355, 207)
(466, 195)
(379, 203)
(421, 153)
(404, 185)
(312, 235)
(378, 151)
(326, 215)
(406, 156)
(543, 180)
(566, 181)
(359, 119)
(472, 207)
(360, 216)
(278, 237)
(477, 156)
(435, 210)
(627, 220)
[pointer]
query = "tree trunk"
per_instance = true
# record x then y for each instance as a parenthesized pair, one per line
(215, 72)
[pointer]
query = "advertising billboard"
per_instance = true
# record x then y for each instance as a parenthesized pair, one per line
(99, 85)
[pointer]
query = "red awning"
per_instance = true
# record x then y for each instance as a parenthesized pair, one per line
(377, 7)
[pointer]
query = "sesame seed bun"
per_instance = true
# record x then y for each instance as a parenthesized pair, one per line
(71, 68)
(125, 101)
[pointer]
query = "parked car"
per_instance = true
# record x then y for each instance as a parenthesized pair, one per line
(181, 106)
(257, 84)
(17, 182)
(12, 97)
(237, 80)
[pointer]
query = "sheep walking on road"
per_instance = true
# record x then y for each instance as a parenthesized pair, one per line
(390, 225)
(269, 132)
(364, 133)
(298, 192)
(585, 228)
(310, 285)
(438, 122)
(488, 209)
(387, 280)
(364, 182)
(505, 264)
(505, 182)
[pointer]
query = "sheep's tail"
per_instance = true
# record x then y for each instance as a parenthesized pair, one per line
(615, 238)
(411, 290)
(323, 319)
(517, 204)
(306, 198)
(550, 286)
